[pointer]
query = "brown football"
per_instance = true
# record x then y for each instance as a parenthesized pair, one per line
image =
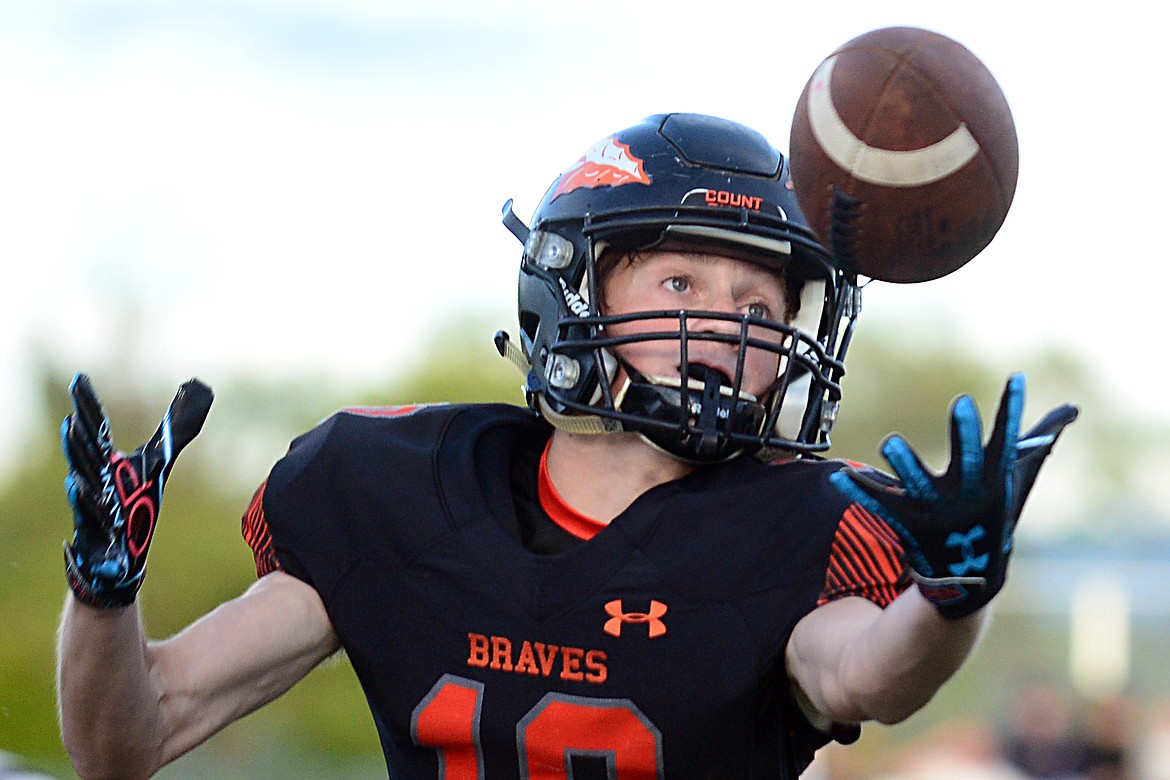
(904, 154)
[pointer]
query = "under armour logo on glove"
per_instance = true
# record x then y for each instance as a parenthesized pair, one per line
(966, 544)
(971, 509)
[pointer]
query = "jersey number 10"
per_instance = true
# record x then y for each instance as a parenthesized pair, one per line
(559, 727)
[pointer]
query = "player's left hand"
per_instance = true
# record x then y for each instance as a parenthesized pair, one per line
(957, 527)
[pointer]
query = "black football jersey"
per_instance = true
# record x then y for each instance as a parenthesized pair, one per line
(653, 650)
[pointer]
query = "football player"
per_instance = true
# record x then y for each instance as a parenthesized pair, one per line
(649, 572)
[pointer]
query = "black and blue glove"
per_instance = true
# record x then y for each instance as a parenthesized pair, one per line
(957, 527)
(116, 497)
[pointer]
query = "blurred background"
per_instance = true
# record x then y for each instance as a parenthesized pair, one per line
(299, 202)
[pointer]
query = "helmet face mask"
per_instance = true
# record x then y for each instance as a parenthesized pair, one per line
(687, 183)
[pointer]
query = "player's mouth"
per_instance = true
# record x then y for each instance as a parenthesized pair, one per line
(700, 371)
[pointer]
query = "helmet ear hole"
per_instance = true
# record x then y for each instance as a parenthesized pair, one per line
(607, 374)
(529, 322)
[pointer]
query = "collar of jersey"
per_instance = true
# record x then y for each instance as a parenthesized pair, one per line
(568, 518)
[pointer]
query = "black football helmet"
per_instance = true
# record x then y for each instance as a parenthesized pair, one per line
(679, 181)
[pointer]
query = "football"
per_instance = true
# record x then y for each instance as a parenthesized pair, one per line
(904, 154)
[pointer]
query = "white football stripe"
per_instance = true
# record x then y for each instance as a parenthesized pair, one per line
(881, 166)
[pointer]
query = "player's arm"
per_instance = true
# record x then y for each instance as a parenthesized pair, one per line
(129, 706)
(851, 660)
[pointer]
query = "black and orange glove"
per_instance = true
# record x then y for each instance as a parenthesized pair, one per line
(957, 527)
(116, 497)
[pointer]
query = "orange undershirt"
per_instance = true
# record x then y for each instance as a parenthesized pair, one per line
(568, 518)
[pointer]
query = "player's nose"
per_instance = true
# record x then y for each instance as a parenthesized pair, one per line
(720, 302)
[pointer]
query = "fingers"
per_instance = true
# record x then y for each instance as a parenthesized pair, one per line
(1002, 446)
(85, 435)
(887, 501)
(908, 468)
(188, 411)
(1034, 448)
(1045, 432)
(182, 422)
(88, 412)
(865, 492)
(85, 459)
(967, 457)
(87, 507)
(77, 454)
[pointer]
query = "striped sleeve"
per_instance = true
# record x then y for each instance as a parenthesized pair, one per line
(866, 560)
(257, 535)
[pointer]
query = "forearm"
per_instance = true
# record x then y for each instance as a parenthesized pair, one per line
(851, 661)
(899, 663)
(111, 721)
(129, 707)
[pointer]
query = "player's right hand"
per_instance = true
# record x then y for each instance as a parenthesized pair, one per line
(116, 497)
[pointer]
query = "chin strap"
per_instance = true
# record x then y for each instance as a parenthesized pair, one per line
(577, 423)
(510, 352)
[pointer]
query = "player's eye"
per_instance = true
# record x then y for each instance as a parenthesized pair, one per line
(679, 284)
(760, 310)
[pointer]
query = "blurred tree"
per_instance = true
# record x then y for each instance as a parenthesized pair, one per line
(906, 382)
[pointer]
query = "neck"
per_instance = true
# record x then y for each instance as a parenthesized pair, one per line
(601, 475)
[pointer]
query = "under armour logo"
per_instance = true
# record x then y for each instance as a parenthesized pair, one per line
(966, 543)
(652, 619)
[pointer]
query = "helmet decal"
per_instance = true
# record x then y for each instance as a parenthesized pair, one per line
(719, 198)
(608, 163)
(733, 199)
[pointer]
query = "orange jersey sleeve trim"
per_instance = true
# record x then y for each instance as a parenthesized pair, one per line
(257, 535)
(866, 560)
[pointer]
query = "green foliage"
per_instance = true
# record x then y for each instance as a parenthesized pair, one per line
(888, 388)
(461, 365)
(31, 594)
(906, 382)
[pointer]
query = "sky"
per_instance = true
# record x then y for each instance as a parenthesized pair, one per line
(276, 187)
